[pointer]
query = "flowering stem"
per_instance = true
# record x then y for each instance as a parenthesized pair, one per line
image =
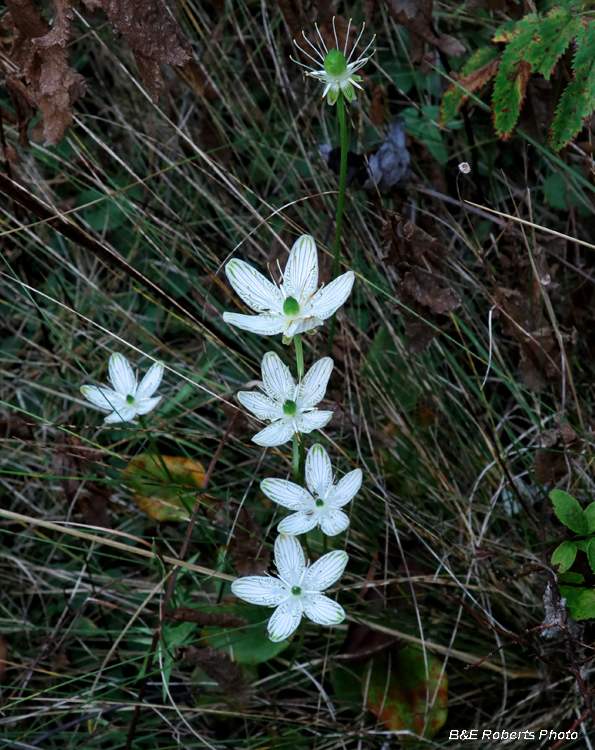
(342, 181)
(340, 201)
(299, 354)
(296, 459)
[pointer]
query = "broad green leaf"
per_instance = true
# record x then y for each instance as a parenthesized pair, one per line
(591, 553)
(513, 76)
(572, 595)
(569, 511)
(165, 487)
(584, 609)
(477, 71)
(399, 698)
(571, 577)
(564, 556)
(578, 99)
(590, 516)
(250, 643)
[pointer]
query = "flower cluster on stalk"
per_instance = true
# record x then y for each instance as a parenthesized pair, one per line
(291, 409)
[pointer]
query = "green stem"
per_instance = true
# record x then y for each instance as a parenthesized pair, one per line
(296, 459)
(340, 201)
(342, 181)
(299, 354)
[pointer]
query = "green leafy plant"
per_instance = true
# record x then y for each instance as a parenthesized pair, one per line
(534, 44)
(580, 599)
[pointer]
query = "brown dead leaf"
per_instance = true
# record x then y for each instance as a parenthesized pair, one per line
(416, 17)
(152, 35)
(24, 105)
(379, 99)
(219, 667)
(72, 463)
(248, 555)
(293, 13)
(418, 258)
(206, 619)
(476, 80)
(45, 79)
(553, 460)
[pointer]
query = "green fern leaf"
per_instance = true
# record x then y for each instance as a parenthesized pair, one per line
(578, 99)
(476, 72)
(534, 46)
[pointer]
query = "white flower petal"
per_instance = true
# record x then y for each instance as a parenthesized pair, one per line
(275, 434)
(125, 414)
(289, 559)
(260, 590)
(346, 489)
(333, 92)
(145, 405)
(285, 620)
(304, 325)
(104, 398)
(254, 288)
(325, 571)
(300, 277)
(329, 299)
(319, 472)
(313, 386)
(298, 523)
(323, 610)
(287, 494)
(277, 378)
(313, 420)
(334, 522)
(149, 384)
(264, 324)
(260, 405)
(121, 375)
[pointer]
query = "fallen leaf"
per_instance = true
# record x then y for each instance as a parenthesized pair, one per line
(247, 552)
(220, 619)
(152, 35)
(416, 17)
(73, 461)
(404, 696)
(37, 51)
(554, 459)
(165, 487)
(418, 258)
(219, 667)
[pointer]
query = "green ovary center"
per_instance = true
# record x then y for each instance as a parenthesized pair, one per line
(291, 306)
(319, 503)
(335, 63)
(289, 408)
(296, 590)
(130, 400)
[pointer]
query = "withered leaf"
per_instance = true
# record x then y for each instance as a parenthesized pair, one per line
(247, 552)
(219, 667)
(207, 619)
(418, 259)
(553, 460)
(152, 34)
(416, 16)
(72, 462)
(45, 79)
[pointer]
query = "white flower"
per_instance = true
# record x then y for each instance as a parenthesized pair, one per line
(337, 72)
(319, 507)
(289, 407)
(297, 591)
(127, 399)
(296, 306)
